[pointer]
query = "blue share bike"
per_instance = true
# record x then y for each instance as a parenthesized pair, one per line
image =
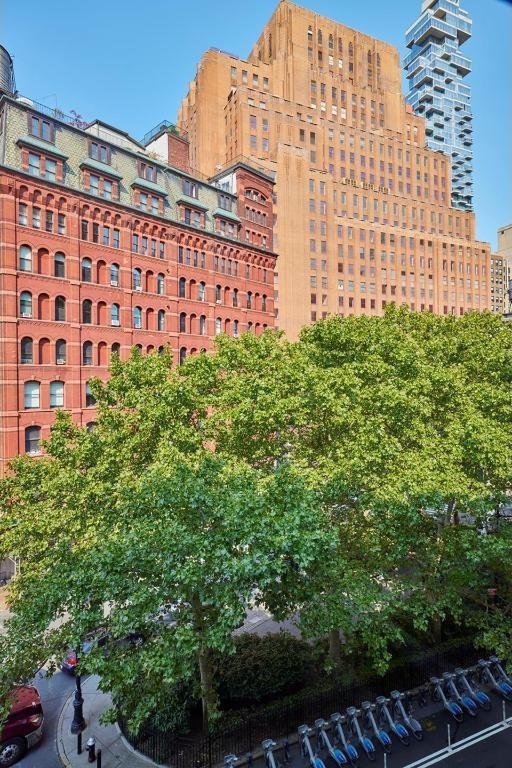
(463, 699)
(500, 685)
(467, 686)
(450, 705)
(385, 720)
(380, 734)
(324, 741)
(304, 732)
(337, 721)
(405, 715)
(355, 730)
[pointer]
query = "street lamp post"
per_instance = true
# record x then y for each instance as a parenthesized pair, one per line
(78, 723)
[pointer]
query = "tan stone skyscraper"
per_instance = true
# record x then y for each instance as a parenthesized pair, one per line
(362, 213)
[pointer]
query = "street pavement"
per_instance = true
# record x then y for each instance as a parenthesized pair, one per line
(54, 691)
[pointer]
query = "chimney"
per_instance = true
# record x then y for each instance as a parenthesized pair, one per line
(177, 152)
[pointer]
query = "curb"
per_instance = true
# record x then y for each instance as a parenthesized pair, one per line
(60, 750)
(138, 755)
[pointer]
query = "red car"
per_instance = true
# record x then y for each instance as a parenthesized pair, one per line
(23, 726)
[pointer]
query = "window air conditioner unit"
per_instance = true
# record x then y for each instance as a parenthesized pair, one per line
(26, 314)
(115, 322)
(114, 282)
(138, 288)
(61, 361)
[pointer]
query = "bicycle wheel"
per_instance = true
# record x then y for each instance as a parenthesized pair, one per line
(470, 706)
(505, 690)
(403, 734)
(369, 750)
(455, 711)
(483, 701)
(417, 730)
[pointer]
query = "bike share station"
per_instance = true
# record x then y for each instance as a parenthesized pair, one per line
(461, 720)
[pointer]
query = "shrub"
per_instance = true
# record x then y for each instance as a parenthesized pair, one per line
(263, 668)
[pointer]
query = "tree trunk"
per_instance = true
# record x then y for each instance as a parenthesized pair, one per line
(208, 693)
(436, 628)
(335, 650)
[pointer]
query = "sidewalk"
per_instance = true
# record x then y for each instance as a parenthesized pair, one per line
(115, 750)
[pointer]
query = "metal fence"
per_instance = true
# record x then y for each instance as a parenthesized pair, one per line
(243, 732)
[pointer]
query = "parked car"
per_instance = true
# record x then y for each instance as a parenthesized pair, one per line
(23, 727)
(69, 662)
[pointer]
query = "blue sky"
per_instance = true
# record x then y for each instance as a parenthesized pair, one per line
(129, 63)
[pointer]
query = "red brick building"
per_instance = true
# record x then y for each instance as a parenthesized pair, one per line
(107, 243)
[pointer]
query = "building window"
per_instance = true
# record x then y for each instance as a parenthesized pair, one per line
(147, 172)
(114, 275)
(201, 291)
(235, 297)
(106, 235)
(99, 152)
(59, 265)
(155, 205)
(26, 304)
(160, 284)
(218, 326)
(249, 300)
(49, 221)
(41, 128)
(34, 164)
(85, 230)
(50, 169)
(190, 188)
(31, 394)
(183, 354)
(161, 320)
(235, 328)
(22, 214)
(144, 245)
(115, 241)
(90, 400)
(25, 260)
(137, 317)
(95, 233)
(87, 311)
(116, 348)
(86, 270)
(61, 224)
(36, 218)
(115, 315)
(143, 200)
(218, 294)
(162, 249)
(56, 394)
(183, 322)
(107, 189)
(137, 279)
(60, 352)
(33, 440)
(135, 243)
(87, 353)
(94, 184)
(202, 325)
(27, 353)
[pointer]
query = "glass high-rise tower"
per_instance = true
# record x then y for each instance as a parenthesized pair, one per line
(435, 70)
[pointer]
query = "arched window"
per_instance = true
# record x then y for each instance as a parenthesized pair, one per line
(116, 348)
(182, 287)
(90, 400)
(33, 440)
(160, 284)
(235, 328)
(27, 350)
(201, 291)
(218, 294)
(137, 317)
(86, 270)
(60, 308)
(183, 354)
(59, 265)
(235, 297)
(87, 311)
(25, 261)
(263, 303)
(202, 325)
(183, 322)
(60, 352)
(87, 353)
(137, 279)
(56, 394)
(31, 391)
(90, 426)
(249, 299)
(161, 320)
(114, 275)
(26, 304)
(218, 325)
(249, 326)
(115, 315)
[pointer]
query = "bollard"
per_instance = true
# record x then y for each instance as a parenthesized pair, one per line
(385, 760)
(287, 750)
(79, 744)
(504, 714)
(91, 749)
(449, 738)
(98, 758)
